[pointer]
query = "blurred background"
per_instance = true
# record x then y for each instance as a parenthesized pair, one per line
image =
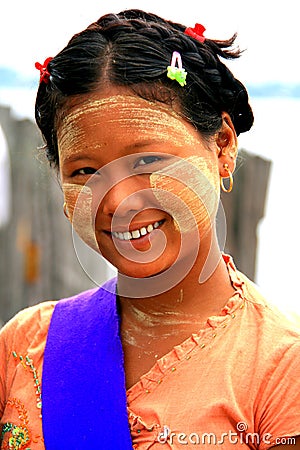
(39, 260)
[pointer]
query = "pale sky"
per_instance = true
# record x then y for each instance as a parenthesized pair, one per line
(268, 29)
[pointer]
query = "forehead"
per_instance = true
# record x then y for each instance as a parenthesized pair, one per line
(122, 122)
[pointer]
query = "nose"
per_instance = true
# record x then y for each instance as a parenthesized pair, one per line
(125, 197)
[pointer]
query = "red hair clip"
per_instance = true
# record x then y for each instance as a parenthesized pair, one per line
(196, 32)
(43, 68)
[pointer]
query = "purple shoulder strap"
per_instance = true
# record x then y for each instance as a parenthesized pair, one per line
(83, 380)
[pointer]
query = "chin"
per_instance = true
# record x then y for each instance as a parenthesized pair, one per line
(139, 271)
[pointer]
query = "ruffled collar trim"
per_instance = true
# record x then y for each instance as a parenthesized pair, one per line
(213, 326)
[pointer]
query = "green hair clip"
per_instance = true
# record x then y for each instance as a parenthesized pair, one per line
(177, 72)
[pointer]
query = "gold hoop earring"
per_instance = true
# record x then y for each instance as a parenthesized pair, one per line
(226, 167)
(66, 212)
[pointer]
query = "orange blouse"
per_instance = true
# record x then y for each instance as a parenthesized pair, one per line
(235, 382)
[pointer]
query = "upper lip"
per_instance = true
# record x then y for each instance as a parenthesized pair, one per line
(132, 227)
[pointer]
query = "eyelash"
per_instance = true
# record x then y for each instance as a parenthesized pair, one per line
(92, 171)
(153, 158)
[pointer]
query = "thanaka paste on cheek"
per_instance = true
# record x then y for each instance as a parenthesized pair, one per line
(79, 204)
(193, 182)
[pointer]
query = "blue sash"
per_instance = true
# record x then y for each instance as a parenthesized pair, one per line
(83, 380)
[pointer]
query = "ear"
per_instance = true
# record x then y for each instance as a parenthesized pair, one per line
(66, 211)
(227, 145)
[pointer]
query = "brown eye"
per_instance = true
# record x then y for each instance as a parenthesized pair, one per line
(84, 171)
(147, 160)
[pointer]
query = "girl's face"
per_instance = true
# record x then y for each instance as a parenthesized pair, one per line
(141, 185)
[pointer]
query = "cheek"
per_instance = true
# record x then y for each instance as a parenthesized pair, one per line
(189, 191)
(79, 200)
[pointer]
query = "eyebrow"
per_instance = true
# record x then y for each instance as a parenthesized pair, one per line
(75, 157)
(144, 143)
(139, 144)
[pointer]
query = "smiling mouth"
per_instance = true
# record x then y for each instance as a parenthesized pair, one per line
(136, 234)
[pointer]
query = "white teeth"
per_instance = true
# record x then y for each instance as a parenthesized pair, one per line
(127, 235)
(135, 234)
(143, 231)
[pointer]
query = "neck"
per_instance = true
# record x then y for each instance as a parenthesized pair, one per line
(190, 301)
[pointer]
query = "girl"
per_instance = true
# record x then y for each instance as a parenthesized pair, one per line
(140, 117)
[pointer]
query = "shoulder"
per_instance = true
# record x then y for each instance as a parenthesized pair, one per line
(274, 336)
(28, 326)
(268, 312)
(263, 311)
(262, 318)
(25, 334)
(38, 312)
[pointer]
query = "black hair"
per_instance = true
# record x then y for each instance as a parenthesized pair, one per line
(133, 49)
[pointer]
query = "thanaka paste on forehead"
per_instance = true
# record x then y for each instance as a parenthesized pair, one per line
(129, 112)
(92, 105)
(79, 203)
(193, 181)
(71, 142)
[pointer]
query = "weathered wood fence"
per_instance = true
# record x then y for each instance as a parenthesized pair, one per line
(38, 259)
(244, 208)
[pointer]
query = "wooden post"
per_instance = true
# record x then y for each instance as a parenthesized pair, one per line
(244, 208)
(38, 260)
